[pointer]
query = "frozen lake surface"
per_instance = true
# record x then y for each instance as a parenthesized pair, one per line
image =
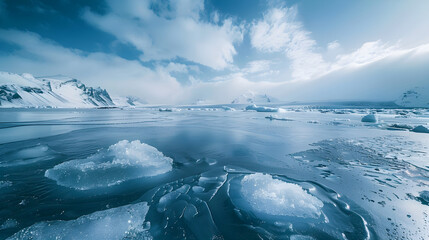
(215, 172)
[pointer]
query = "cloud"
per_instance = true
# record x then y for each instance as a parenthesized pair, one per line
(258, 66)
(175, 30)
(120, 76)
(333, 45)
(369, 52)
(279, 31)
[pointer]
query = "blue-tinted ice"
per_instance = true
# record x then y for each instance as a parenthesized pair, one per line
(213, 173)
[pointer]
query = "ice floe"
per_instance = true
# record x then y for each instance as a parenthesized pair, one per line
(275, 117)
(125, 222)
(289, 209)
(263, 109)
(120, 162)
(275, 197)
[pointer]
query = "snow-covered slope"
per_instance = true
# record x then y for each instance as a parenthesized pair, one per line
(56, 91)
(252, 97)
(417, 97)
(128, 101)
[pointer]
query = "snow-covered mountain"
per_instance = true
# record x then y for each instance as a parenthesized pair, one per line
(25, 90)
(417, 97)
(252, 97)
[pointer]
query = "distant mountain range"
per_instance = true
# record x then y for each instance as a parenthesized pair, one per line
(416, 97)
(25, 90)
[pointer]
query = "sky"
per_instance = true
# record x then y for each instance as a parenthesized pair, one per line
(212, 51)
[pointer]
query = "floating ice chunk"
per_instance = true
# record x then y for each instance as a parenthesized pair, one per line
(26, 156)
(271, 196)
(370, 118)
(275, 117)
(120, 162)
(226, 108)
(124, 222)
(165, 109)
(263, 109)
(421, 129)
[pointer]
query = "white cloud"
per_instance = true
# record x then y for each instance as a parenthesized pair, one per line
(369, 52)
(258, 66)
(176, 67)
(279, 31)
(175, 31)
(333, 45)
(120, 76)
(374, 79)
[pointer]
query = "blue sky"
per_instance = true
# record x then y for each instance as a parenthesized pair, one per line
(183, 50)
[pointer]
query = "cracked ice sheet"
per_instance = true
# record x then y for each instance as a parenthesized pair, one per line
(365, 171)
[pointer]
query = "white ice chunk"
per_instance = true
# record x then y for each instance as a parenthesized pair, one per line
(226, 108)
(275, 117)
(263, 109)
(370, 118)
(120, 162)
(124, 222)
(271, 196)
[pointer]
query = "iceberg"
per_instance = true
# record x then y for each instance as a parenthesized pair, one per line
(126, 222)
(370, 118)
(421, 129)
(120, 162)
